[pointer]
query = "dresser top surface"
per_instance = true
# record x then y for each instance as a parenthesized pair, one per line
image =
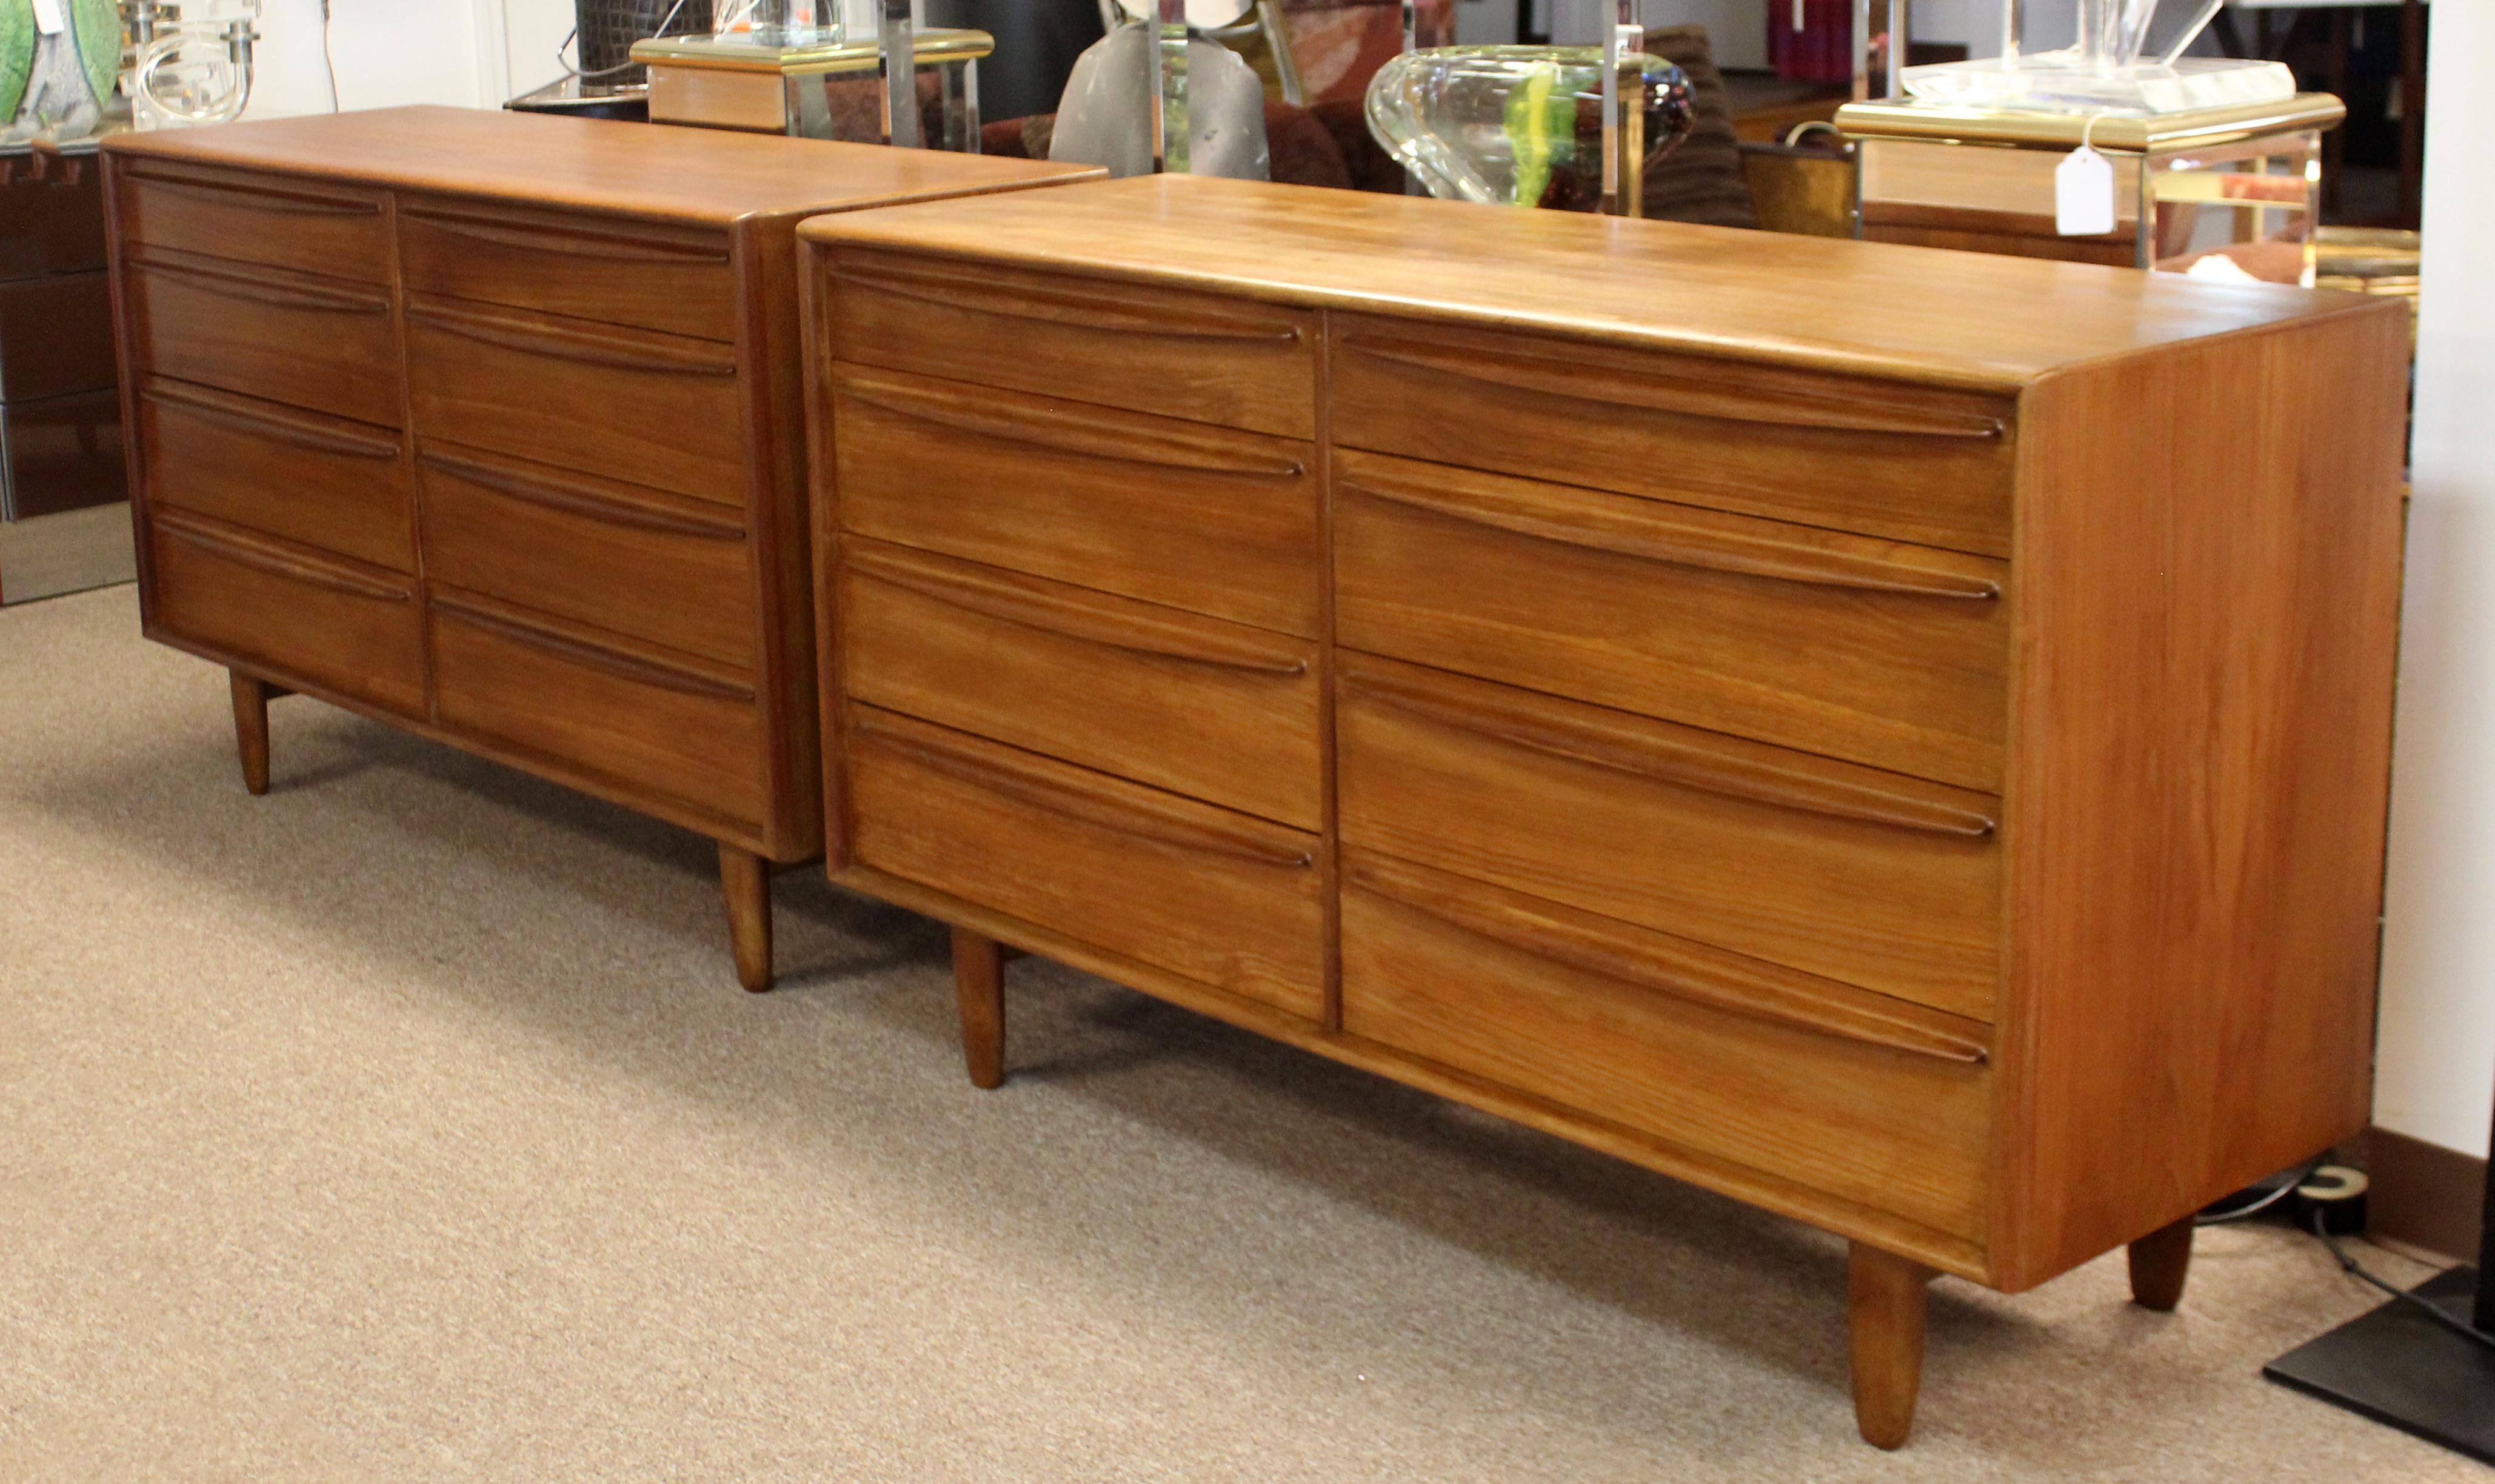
(596, 165)
(1959, 318)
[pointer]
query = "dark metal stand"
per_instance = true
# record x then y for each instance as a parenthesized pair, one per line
(2399, 1366)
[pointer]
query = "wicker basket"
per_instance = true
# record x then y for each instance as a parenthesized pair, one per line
(608, 28)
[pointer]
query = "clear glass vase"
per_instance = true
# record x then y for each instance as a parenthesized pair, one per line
(1521, 126)
(190, 61)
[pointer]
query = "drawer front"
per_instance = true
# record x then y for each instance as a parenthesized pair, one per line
(283, 337)
(320, 481)
(1928, 466)
(55, 337)
(645, 724)
(659, 277)
(1866, 650)
(1191, 705)
(1224, 899)
(1848, 1094)
(665, 569)
(628, 404)
(307, 616)
(1204, 357)
(313, 226)
(62, 454)
(1870, 878)
(1205, 519)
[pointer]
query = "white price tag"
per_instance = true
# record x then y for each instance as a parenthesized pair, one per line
(2084, 195)
(49, 19)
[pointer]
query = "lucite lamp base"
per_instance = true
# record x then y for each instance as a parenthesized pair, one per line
(2054, 81)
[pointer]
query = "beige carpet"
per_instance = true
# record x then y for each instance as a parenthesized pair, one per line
(408, 1124)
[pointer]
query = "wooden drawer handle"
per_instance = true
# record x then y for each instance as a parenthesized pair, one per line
(1563, 378)
(1071, 437)
(287, 295)
(564, 240)
(1681, 764)
(598, 657)
(1656, 538)
(587, 347)
(1127, 634)
(265, 197)
(265, 421)
(267, 556)
(1056, 798)
(1778, 997)
(574, 499)
(1074, 314)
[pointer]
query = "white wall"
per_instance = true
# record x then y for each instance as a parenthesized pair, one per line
(2435, 1066)
(386, 52)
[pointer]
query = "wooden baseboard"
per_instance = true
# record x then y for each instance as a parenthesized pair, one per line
(2424, 1195)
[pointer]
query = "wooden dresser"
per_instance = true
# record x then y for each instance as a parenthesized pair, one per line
(1897, 736)
(487, 425)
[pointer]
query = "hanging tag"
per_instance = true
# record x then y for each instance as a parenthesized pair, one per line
(49, 19)
(2084, 195)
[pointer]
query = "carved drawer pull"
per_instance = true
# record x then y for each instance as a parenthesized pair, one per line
(570, 241)
(263, 197)
(632, 667)
(267, 556)
(1100, 813)
(1682, 764)
(1037, 308)
(1110, 632)
(1712, 978)
(1534, 373)
(1657, 538)
(1122, 446)
(269, 422)
(579, 499)
(566, 343)
(284, 295)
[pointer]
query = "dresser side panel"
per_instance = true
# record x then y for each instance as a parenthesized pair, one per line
(2207, 552)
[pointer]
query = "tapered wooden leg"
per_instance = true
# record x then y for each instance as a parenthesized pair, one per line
(1884, 1320)
(979, 982)
(251, 729)
(745, 879)
(2160, 1261)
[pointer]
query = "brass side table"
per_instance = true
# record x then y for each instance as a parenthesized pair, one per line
(2183, 182)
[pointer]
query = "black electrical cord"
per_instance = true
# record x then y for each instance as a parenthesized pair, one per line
(2349, 1265)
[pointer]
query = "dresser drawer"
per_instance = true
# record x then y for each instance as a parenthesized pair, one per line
(1923, 465)
(662, 568)
(628, 404)
(303, 475)
(656, 276)
(1848, 1094)
(650, 725)
(306, 616)
(1205, 519)
(1221, 898)
(278, 221)
(1195, 705)
(1871, 879)
(1883, 654)
(283, 336)
(1205, 357)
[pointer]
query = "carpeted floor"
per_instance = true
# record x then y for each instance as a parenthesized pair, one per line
(408, 1124)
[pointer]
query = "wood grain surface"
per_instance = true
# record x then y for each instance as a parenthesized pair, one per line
(1919, 316)
(589, 165)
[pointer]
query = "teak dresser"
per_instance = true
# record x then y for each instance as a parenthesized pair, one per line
(1897, 736)
(487, 425)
